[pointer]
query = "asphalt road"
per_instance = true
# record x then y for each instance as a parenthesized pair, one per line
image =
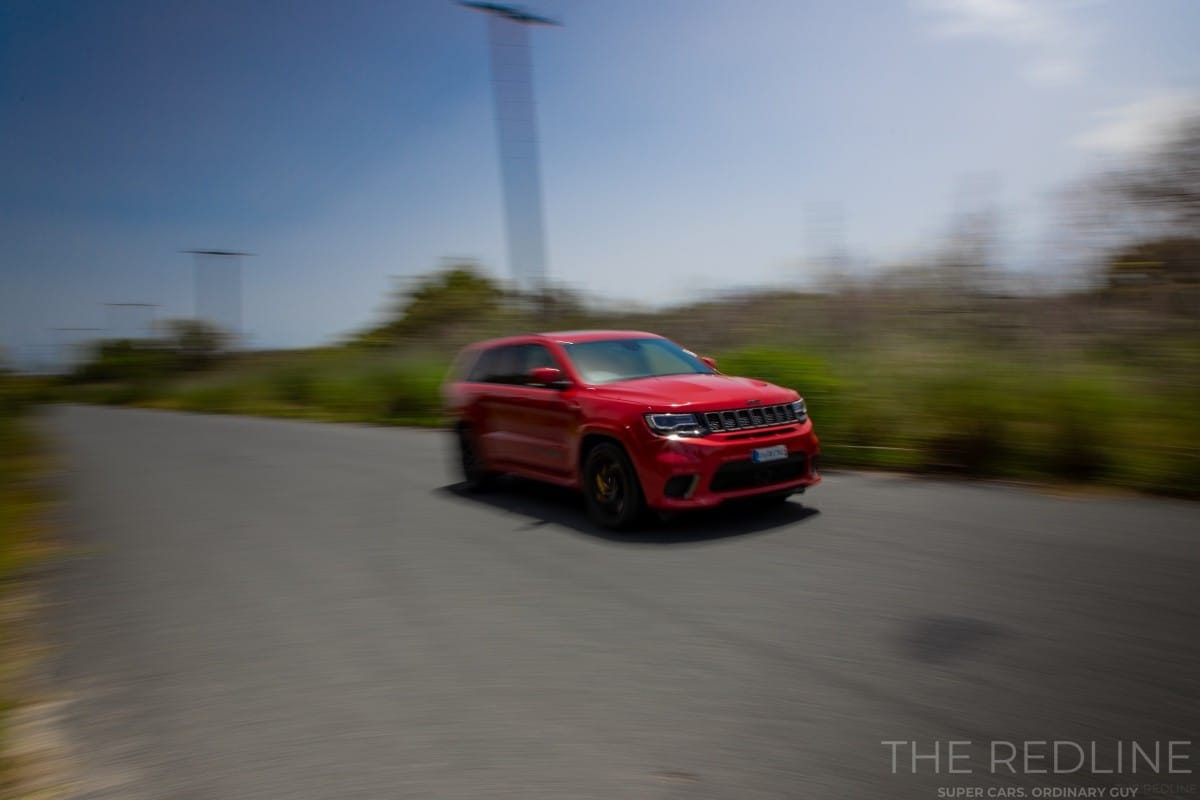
(274, 609)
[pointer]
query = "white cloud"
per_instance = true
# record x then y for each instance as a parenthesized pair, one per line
(1142, 125)
(1051, 39)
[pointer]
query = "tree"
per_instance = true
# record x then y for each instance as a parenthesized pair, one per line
(198, 344)
(1167, 187)
(438, 303)
(117, 360)
(1157, 262)
(1145, 214)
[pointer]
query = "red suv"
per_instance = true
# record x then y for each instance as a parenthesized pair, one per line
(631, 418)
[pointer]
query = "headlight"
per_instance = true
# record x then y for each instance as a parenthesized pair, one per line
(676, 424)
(801, 410)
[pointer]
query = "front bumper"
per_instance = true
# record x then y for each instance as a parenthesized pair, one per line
(679, 472)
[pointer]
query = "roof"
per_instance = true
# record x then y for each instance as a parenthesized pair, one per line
(567, 337)
(570, 337)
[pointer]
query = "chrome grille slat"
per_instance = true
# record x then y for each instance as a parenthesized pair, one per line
(736, 419)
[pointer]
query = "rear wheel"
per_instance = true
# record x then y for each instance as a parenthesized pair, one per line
(610, 487)
(475, 476)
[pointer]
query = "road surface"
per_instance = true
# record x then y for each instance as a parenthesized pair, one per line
(275, 609)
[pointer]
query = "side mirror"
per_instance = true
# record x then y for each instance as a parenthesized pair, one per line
(545, 376)
(709, 361)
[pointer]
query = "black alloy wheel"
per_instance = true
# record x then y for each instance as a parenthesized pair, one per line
(610, 487)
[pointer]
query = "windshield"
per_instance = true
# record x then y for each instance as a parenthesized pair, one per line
(625, 359)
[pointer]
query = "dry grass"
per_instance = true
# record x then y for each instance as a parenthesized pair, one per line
(30, 752)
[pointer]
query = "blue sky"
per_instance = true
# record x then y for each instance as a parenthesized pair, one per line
(686, 145)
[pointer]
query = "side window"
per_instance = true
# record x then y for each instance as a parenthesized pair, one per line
(483, 367)
(538, 355)
(499, 365)
(463, 366)
(511, 364)
(534, 356)
(508, 365)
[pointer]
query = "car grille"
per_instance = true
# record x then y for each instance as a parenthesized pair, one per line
(747, 475)
(754, 417)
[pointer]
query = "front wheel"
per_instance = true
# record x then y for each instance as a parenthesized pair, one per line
(610, 487)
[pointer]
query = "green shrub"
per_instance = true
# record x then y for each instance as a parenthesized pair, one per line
(212, 398)
(1082, 414)
(127, 360)
(410, 390)
(963, 419)
(292, 384)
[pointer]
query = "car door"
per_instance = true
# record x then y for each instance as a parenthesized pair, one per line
(524, 426)
(546, 416)
(520, 425)
(495, 372)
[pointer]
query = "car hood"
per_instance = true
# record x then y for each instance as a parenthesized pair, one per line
(697, 392)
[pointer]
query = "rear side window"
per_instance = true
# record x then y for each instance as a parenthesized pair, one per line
(490, 366)
(463, 362)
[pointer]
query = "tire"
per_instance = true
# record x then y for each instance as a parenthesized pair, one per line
(611, 489)
(475, 477)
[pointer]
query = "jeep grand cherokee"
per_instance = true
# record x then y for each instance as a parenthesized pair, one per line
(632, 419)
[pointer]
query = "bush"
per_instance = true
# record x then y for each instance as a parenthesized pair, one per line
(1080, 413)
(19, 392)
(963, 418)
(214, 398)
(292, 385)
(410, 390)
(126, 360)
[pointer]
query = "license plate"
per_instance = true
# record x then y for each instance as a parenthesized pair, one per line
(776, 453)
